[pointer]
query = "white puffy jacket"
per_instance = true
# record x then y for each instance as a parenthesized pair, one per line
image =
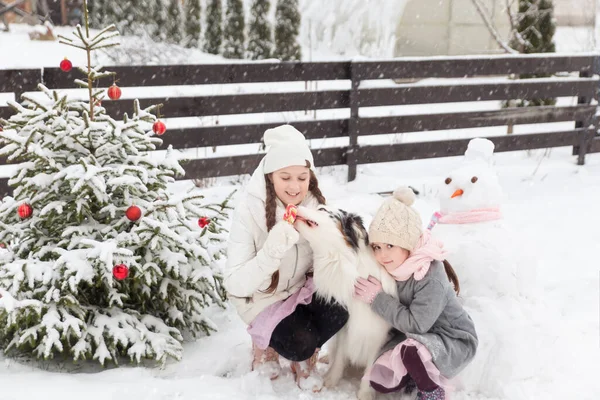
(249, 269)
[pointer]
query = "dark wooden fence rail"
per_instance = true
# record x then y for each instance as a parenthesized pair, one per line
(578, 77)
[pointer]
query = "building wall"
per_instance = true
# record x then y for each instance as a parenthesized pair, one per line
(575, 12)
(449, 27)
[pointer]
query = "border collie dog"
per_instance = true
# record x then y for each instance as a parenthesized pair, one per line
(342, 254)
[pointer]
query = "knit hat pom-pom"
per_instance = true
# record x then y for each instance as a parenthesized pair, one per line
(405, 195)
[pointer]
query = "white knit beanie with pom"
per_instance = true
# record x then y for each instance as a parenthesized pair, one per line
(396, 222)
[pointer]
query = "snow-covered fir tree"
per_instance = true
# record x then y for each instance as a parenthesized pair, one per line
(175, 22)
(113, 13)
(213, 36)
(102, 260)
(535, 27)
(160, 20)
(287, 27)
(260, 41)
(233, 35)
(193, 12)
(96, 8)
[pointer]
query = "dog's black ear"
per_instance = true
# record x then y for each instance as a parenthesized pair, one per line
(353, 229)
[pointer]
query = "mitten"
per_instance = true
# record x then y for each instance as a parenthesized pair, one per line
(281, 238)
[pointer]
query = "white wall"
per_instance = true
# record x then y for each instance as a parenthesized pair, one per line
(449, 27)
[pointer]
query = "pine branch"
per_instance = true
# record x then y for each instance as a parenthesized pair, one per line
(72, 45)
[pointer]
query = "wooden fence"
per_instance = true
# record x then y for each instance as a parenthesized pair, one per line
(577, 77)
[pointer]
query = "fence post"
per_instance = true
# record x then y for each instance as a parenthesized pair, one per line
(353, 124)
(584, 137)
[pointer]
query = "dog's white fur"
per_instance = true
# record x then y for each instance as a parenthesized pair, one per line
(336, 269)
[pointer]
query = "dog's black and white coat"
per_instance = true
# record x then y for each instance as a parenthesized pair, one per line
(341, 254)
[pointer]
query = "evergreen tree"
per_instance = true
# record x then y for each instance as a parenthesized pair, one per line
(260, 42)
(535, 26)
(193, 11)
(175, 22)
(287, 27)
(161, 20)
(96, 9)
(234, 37)
(213, 36)
(113, 13)
(81, 276)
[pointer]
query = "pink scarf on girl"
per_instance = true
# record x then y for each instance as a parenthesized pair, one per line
(417, 264)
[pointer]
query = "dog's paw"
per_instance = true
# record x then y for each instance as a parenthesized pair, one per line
(330, 381)
(366, 394)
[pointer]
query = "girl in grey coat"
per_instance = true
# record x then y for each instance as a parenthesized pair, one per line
(434, 337)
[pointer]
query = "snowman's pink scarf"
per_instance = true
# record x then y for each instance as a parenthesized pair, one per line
(468, 217)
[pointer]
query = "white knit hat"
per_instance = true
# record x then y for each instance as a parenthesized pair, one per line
(396, 222)
(287, 147)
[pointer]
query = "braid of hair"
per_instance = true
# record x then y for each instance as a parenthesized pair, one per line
(452, 277)
(313, 187)
(270, 203)
(270, 214)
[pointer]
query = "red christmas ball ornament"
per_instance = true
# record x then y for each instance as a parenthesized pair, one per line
(1, 128)
(66, 65)
(120, 272)
(114, 92)
(202, 222)
(2, 245)
(159, 128)
(133, 213)
(25, 210)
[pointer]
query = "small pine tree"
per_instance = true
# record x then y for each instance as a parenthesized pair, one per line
(287, 28)
(175, 22)
(160, 21)
(193, 11)
(234, 38)
(213, 36)
(260, 43)
(80, 276)
(535, 26)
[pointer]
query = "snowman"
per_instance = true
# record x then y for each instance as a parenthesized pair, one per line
(495, 275)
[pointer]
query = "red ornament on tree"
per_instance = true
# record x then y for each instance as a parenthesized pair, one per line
(202, 222)
(25, 210)
(66, 65)
(133, 213)
(120, 272)
(1, 128)
(159, 127)
(2, 245)
(114, 92)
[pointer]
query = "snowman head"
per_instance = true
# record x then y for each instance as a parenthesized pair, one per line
(474, 185)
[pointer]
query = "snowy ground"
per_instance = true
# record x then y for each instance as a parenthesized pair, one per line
(550, 201)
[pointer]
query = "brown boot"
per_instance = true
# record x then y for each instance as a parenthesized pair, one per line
(266, 362)
(307, 377)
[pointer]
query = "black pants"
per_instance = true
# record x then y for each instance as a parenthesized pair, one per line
(311, 325)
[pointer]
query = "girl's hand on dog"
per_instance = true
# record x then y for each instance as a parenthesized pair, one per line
(367, 289)
(281, 238)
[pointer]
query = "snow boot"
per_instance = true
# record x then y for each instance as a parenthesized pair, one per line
(266, 362)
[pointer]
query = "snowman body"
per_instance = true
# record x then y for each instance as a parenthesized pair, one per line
(492, 272)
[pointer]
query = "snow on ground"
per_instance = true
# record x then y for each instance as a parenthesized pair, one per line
(550, 201)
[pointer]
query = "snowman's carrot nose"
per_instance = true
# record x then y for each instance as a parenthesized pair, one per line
(459, 192)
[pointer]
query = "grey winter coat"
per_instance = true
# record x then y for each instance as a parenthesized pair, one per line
(430, 313)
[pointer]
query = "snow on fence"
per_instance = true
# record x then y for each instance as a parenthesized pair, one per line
(573, 76)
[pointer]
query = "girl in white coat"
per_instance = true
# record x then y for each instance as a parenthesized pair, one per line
(268, 262)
